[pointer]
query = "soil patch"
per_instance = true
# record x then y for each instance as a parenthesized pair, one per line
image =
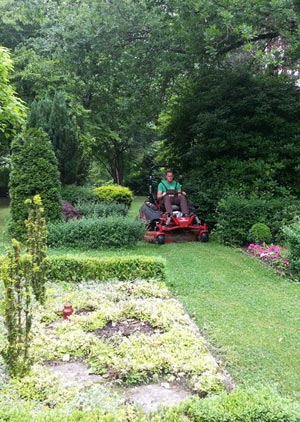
(85, 311)
(125, 328)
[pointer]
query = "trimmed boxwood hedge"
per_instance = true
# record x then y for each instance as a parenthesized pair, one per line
(77, 269)
(71, 268)
(96, 233)
(236, 215)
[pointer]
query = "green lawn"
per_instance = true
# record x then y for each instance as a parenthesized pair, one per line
(249, 315)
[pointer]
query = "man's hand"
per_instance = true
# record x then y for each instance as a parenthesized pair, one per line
(160, 194)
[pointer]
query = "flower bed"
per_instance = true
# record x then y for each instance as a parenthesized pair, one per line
(272, 255)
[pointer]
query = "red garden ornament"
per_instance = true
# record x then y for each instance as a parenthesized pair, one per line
(67, 311)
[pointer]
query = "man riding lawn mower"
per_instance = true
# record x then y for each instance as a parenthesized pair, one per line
(170, 218)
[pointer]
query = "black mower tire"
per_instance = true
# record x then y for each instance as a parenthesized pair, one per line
(203, 237)
(160, 240)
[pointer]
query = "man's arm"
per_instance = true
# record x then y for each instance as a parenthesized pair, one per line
(161, 194)
(179, 190)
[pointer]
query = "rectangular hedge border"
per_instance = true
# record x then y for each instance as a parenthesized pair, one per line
(77, 269)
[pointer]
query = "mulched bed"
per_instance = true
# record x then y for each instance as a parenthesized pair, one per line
(125, 328)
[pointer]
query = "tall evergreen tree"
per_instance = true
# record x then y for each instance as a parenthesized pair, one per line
(54, 116)
(33, 171)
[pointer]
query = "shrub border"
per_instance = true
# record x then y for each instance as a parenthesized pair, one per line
(64, 268)
(77, 269)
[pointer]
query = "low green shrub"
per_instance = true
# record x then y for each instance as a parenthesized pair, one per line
(260, 233)
(121, 414)
(76, 269)
(101, 209)
(239, 406)
(75, 194)
(236, 215)
(114, 193)
(94, 233)
(292, 236)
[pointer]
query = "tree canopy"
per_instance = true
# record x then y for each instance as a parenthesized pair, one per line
(124, 60)
(12, 109)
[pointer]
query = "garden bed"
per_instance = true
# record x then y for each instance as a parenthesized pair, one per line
(125, 342)
(271, 255)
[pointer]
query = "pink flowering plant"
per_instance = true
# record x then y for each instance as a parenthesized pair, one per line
(273, 255)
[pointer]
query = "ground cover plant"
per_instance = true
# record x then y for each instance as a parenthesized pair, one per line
(126, 332)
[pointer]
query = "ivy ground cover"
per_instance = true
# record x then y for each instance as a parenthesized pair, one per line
(126, 333)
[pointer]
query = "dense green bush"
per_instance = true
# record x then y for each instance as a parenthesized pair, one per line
(228, 109)
(112, 232)
(33, 171)
(260, 233)
(236, 215)
(75, 194)
(114, 193)
(292, 236)
(76, 269)
(101, 209)
(242, 406)
(70, 268)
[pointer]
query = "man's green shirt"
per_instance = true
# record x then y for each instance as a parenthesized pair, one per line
(164, 186)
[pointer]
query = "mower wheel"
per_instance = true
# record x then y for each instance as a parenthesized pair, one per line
(203, 237)
(160, 240)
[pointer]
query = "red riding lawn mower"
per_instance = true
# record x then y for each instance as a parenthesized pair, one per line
(163, 229)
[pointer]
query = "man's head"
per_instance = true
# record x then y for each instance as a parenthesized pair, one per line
(169, 176)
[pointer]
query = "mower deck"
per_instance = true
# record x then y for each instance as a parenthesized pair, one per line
(180, 229)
